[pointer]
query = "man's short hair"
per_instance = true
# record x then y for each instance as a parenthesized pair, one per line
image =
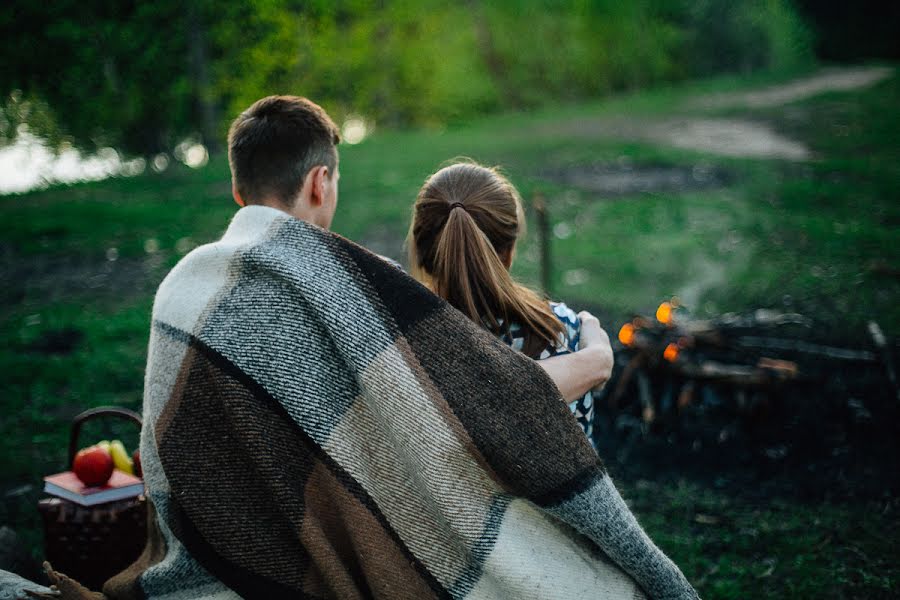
(273, 145)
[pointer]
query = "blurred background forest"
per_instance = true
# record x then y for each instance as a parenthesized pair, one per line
(738, 154)
(142, 76)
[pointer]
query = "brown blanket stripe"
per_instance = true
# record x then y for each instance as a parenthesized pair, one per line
(242, 580)
(245, 582)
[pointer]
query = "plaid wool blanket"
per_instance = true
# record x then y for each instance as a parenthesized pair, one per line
(319, 425)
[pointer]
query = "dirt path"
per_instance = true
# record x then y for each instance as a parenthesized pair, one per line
(738, 138)
(741, 138)
(828, 80)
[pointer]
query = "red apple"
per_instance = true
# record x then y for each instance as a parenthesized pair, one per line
(93, 466)
(136, 459)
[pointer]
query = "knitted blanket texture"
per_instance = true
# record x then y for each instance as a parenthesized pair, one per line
(319, 425)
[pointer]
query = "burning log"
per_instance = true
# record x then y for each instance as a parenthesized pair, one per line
(881, 343)
(735, 374)
(749, 341)
(633, 365)
(731, 352)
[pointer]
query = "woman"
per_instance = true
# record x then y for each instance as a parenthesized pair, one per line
(462, 241)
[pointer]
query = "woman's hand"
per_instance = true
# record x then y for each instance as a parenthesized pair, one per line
(588, 368)
(595, 337)
(591, 332)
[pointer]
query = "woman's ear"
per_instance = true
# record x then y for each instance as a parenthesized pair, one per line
(507, 256)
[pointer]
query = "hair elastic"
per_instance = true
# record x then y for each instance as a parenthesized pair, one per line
(457, 204)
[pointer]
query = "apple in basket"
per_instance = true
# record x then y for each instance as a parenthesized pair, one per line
(93, 465)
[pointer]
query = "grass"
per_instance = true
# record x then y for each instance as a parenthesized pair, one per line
(734, 548)
(81, 264)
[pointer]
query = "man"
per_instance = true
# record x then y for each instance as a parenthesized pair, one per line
(282, 152)
(317, 424)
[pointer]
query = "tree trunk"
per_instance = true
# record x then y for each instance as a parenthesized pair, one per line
(204, 95)
(496, 65)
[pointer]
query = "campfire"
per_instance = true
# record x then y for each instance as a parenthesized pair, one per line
(670, 362)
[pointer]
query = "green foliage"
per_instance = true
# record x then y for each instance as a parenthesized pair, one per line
(19, 114)
(141, 76)
(744, 35)
(113, 74)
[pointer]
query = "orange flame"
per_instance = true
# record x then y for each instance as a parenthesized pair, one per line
(671, 352)
(664, 313)
(626, 334)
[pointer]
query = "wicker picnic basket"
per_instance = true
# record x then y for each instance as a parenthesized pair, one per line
(93, 543)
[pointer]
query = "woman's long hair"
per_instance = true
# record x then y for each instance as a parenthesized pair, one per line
(465, 223)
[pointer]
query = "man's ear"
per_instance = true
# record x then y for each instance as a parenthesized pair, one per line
(317, 177)
(237, 195)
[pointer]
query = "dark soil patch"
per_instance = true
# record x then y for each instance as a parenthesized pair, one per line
(52, 278)
(835, 437)
(624, 179)
(61, 341)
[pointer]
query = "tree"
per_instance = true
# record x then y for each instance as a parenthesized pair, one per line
(113, 73)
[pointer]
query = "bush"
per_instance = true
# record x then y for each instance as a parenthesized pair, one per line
(744, 35)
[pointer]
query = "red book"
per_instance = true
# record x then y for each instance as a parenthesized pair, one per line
(67, 485)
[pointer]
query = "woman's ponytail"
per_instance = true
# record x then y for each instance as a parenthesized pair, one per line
(461, 239)
(468, 273)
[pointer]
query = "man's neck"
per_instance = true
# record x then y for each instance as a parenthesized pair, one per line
(300, 209)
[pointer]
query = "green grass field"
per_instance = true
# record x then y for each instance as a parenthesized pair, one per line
(816, 236)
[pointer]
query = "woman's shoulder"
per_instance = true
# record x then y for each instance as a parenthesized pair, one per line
(565, 314)
(571, 323)
(568, 340)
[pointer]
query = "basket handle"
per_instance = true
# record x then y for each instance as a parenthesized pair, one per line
(93, 413)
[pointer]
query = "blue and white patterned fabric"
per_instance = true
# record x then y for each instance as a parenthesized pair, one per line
(582, 408)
